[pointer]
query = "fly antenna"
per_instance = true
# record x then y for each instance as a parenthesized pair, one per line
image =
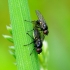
(28, 44)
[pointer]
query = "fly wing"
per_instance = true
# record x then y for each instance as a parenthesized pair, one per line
(36, 33)
(40, 17)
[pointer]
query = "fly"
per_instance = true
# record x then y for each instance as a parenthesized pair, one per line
(36, 40)
(40, 23)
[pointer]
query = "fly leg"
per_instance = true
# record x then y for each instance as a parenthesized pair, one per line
(31, 42)
(30, 30)
(30, 35)
(32, 50)
(29, 21)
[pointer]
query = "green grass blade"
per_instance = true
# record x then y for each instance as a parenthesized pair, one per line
(19, 11)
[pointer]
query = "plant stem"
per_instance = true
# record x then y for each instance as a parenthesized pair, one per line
(19, 11)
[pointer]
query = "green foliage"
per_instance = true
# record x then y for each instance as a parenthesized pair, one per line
(9, 28)
(12, 53)
(8, 38)
(12, 48)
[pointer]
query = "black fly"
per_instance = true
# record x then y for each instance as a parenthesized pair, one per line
(40, 23)
(37, 41)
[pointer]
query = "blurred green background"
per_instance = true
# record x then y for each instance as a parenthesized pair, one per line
(57, 16)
